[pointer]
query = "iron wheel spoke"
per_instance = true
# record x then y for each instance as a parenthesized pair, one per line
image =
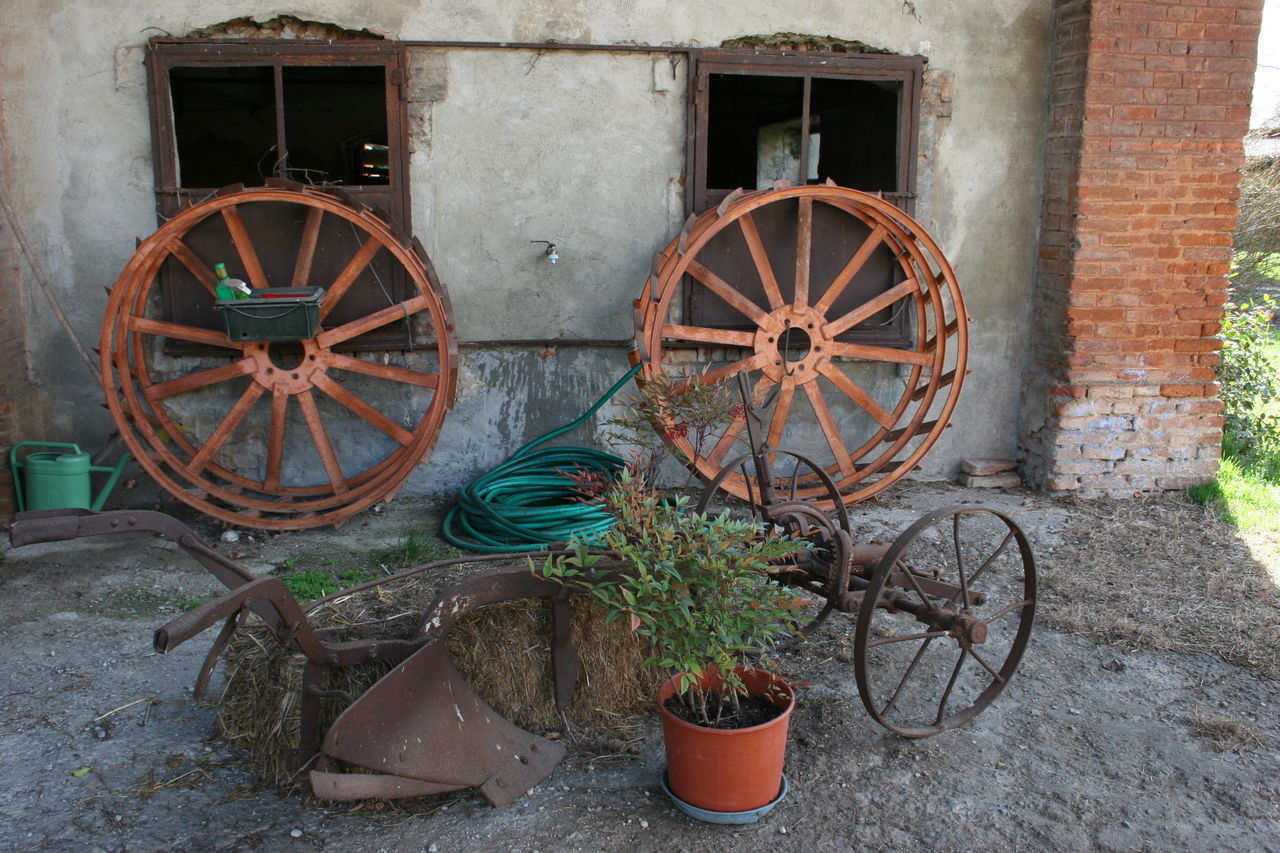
(915, 661)
(946, 694)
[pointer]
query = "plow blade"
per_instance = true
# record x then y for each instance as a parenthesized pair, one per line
(424, 730)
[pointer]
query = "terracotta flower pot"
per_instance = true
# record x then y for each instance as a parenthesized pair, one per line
(728, 770)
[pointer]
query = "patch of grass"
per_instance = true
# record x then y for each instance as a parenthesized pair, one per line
(1246, 491)
(307, 586)
(1244, 494)
(416, 546)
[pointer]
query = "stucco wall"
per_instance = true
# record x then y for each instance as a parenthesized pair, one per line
(586, 149)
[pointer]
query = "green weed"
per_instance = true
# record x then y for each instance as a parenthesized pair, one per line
(416, 546)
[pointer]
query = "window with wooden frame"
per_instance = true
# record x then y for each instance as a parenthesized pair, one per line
(328, 114)
(756, 118)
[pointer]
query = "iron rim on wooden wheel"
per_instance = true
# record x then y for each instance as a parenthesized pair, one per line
(944, 621)
(301, 459)
(778, 302)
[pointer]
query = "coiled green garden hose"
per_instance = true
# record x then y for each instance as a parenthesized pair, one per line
(526, 503)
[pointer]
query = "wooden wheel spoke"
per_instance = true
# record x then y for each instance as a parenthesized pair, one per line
(761, 258)
(951, 683)
(178, 332)
(201, 379)
(721, 337)
(275, 437)
(719, 374)
(871, 307)
(872, 353)
(307, 248)
(726, 441)
(349, 274)
(324, 447)
(224, 430)
(781, 410)
(384, 371)
(915, 661)
(804, 250)
(194, 265)
(244, 248)
(855, 393)
(726, 291)
(369, 322)
(852, 268)
(829, 429)
(363, 409)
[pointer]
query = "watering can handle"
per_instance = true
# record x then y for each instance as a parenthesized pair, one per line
(15, 465)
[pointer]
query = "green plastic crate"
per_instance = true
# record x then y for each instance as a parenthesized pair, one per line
(274, 314)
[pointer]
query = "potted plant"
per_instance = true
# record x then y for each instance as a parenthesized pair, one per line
(700, 588)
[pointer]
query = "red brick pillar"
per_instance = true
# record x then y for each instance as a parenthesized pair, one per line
(1149, 103)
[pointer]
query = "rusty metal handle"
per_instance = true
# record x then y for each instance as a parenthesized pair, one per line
(270, 592)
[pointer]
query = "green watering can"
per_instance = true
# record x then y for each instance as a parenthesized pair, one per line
(58, 480)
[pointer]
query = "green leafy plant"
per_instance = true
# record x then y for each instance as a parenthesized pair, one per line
(669, 411)
(1250, 381)
(699, 587)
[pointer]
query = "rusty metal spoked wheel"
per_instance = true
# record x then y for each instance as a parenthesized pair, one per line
(956, 596)
(823, 574)
(832, 299)
(279, 436)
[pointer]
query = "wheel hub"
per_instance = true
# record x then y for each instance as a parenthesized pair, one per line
(794, 343)
(291, 380)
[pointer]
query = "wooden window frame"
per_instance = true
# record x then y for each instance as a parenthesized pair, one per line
(391, 200)
(906, 71)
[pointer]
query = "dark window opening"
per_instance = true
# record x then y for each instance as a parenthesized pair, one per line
(224, 123)
(756, 132)
(335, 124)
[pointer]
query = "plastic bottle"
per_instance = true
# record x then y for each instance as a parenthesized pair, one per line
(230, 288)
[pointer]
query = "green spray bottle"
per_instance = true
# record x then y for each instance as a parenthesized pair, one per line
(230, 288)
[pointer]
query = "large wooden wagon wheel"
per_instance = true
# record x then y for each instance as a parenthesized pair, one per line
(279, 436)
(841, 307)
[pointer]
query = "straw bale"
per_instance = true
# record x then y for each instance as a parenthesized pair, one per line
(503, 651)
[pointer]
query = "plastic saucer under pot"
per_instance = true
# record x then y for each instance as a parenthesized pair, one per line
(709, 816)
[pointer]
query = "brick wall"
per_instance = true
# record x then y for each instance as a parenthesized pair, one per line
(1149, 103)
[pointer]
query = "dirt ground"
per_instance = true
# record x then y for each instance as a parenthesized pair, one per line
(1127, 728)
